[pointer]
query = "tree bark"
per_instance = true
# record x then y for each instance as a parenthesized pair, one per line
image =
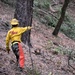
(24, 13)
(63, 10)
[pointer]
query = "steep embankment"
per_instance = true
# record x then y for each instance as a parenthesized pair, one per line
(42, 39)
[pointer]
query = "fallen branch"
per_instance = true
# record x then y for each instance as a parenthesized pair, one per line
(52, 10)
(44, 12)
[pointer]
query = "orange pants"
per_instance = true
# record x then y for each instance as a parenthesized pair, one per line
(21, 56)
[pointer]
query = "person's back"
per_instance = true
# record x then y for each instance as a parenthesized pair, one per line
(15, 33)
(14, 36)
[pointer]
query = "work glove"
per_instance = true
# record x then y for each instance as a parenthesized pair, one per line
(7, 48)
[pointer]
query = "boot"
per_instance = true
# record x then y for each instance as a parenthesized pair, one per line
(20, 69)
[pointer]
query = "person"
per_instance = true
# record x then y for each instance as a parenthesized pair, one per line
(14, 36)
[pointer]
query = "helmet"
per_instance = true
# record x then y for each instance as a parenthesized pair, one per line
(14, 22)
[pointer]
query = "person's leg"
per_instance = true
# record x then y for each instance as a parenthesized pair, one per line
(18, 51)
(21, 56)
(15, 50)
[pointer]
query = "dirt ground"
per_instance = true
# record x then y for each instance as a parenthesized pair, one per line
(42, 39)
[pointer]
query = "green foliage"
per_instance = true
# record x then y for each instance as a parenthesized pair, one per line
(46, 18)
(32, 72)
(62, 50)
(57, 49)
(42, 4)
(10, 2)
(50, 20)
(68, 27)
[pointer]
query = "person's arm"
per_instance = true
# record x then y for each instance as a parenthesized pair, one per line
(28, 28)
(7, 42)
(25, 28)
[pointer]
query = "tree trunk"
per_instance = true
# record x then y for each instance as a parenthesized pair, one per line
(57, 28)
(23, 13)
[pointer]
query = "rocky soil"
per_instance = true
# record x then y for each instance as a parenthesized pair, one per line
(53, 56)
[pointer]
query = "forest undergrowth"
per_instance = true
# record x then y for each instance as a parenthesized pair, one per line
(56, 54)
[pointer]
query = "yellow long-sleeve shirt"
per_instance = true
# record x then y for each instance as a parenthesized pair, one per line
(14, 34)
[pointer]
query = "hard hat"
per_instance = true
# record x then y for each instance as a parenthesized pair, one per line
(14, 22)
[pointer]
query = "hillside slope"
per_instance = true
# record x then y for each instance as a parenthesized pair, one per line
(42, 39)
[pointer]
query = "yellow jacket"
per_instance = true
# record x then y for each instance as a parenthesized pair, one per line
(14, 34)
